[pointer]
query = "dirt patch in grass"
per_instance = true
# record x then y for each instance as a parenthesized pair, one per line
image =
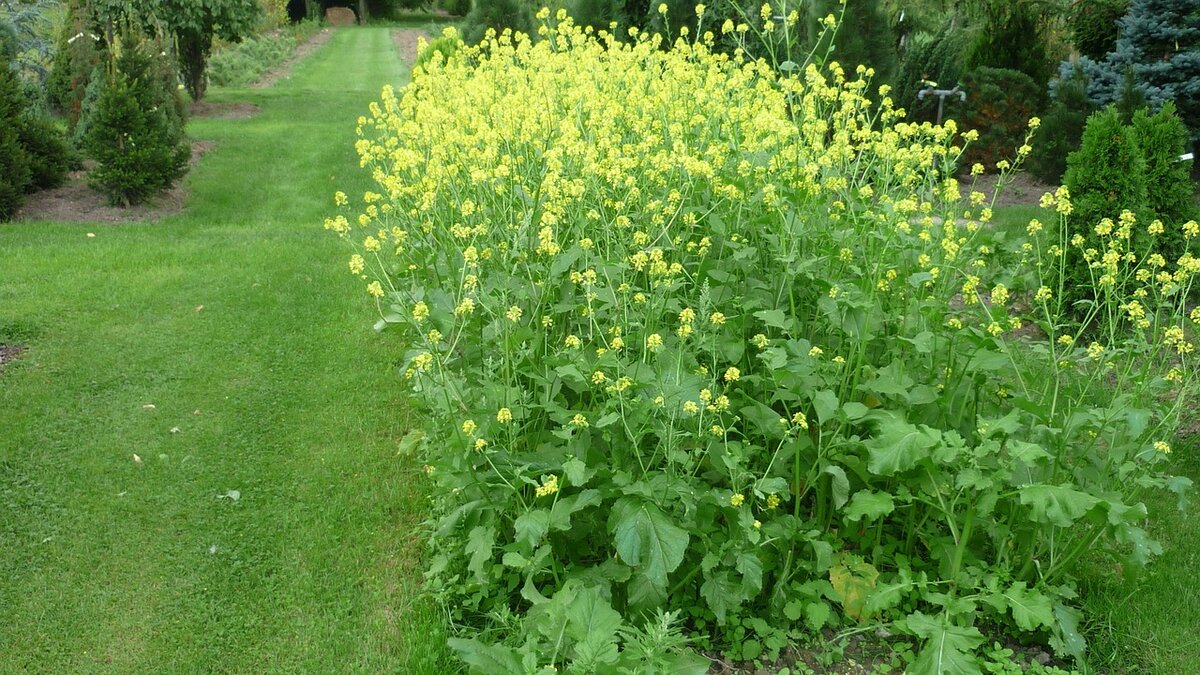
(284, 70)
(1020, 189)
(9, 353)
(406, 42)
(223, 111)
(76, 202)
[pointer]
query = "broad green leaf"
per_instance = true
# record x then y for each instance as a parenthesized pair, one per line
(855, 410)
(869, 505)
(1027, 453)
(479, 544)
(646, 539)
(563, 509)
(532, 526)
(891, 380)
(839, 484)
(607, 419)
(592, 623)
(899, 446)
(774, 318)
(486, 659)
(816, 614)
(722, 594)
(576, 472)
(1066, 640)
(793, 610)
(825, 404)
(1030, 608)
(947, 649)
(1059, 505)
(752, 572)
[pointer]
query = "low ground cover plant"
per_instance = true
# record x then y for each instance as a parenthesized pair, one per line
(244, 62)
(715, 355)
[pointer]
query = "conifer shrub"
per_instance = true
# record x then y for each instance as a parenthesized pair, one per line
(1012, 37)
(1162, 138)
(46, 148)
(14, 161)
(999, 102)
(1106, 176)
(1061, 129)
(456, 7)
(135, 132)
(76, 58)
(1093, 25)
(929, 59)
(498, 15)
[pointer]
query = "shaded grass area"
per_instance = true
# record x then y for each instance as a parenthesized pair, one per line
(1147, 624)
(238, 322)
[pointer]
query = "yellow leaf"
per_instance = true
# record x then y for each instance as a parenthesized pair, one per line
(852, 579)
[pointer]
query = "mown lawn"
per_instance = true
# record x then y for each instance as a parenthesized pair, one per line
(239, 323)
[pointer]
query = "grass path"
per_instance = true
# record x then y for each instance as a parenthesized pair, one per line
(277, 388)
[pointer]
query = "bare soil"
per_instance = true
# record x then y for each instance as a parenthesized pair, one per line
(1020, 189)
(223, 111)
(284, 70)
(75, 201)
(9, 353)
(406, 42)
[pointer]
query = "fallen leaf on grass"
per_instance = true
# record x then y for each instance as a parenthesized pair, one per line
(148, 406)
(232, 495)
(175, 430)
(136, 458)
(91, 235)
(199, 308)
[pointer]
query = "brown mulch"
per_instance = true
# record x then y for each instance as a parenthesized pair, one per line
(284, 70)
(9, 353)
(1020, 189)
(223, 111)
(76, 202)
(406, 42)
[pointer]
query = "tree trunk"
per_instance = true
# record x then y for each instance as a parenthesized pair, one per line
(193, 63)
(362, 12)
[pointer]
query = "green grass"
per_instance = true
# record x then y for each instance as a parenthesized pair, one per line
(277, 388)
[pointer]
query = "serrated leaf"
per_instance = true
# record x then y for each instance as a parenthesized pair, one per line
(869, 505)
(1066, 640)
(947, 649)
(899, 446)
(752, 572)
(576, 472)
(816, 614)
(531, 527)
(486, 659)
(647, 540)
(479, 544)
(606, 420)
(890, 380)
(563, 509)
(722, 594)
(793, 610)
(1059, 505)
(852, 579)
(1030, 608)
(592, 623)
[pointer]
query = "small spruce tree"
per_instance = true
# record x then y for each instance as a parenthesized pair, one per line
(14, 161)
(1162, 137)
(135, 133)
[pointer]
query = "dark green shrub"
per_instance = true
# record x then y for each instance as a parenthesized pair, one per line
(1162, 138)
(1105, 176)
(998, 106)
(865, 36)
(597, 14)
(75, 59)
(246, 61)
(1093, 25)
(456, 7)
(1012, 37)
(14, 161)
(49, 157)
(1061, 129)
(498, 15)
(135, 132)
(936, 58)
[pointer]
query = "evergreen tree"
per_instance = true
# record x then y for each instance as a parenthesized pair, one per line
(1160, 43)
(14, 161)
(134, 133)
(865, 36)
